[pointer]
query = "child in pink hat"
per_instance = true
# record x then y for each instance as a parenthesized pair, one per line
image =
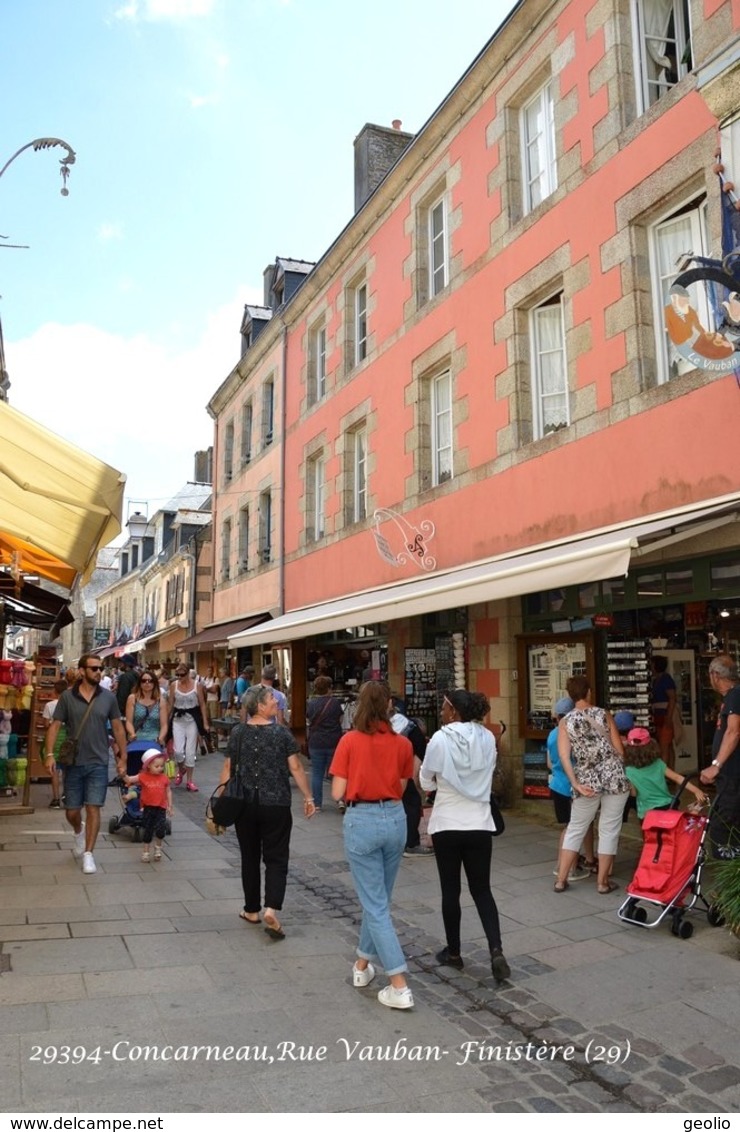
(647, 773)
(156, 800)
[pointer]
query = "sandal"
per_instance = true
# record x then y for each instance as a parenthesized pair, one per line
(605, 889)
(560, 886)
(248, 919)
(592, 866)
(157, 854)
(273, 926)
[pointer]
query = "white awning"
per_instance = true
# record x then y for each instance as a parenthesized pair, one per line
(588, 558)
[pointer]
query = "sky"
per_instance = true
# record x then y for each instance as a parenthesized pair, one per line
(211, 136)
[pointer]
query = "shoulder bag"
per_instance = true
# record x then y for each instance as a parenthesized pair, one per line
(226, 803)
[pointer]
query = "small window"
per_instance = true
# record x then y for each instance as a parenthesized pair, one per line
(247, 422)
(441, 422)
(360, 323)
(268, 413)
(663, 46)
(725, 575)
(672, 241)
(317, 365)
(243, 560)
(538, 148)
(359, 475)
(437, 236)
(316, 498)
(266, 527)
(225, 551)
(550, 410)
(229, 452)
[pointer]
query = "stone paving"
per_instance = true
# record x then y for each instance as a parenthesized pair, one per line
(94, 967)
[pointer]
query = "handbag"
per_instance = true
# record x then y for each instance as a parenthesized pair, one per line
(498, 817)
(67, 752)
(226, 803)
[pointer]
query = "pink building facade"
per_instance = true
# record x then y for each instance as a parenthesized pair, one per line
(479, 426)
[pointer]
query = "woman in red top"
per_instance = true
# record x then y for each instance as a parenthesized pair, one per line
(371, 766)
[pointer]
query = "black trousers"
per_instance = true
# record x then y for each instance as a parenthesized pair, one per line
(263, 833)
(724, 818)
(412, 805)
(153, 823)
(469, 849)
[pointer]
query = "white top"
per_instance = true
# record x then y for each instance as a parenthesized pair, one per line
(47, 714)
(469, 751)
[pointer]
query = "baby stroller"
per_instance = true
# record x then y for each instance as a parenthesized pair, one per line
(668, 874)
(131, 809)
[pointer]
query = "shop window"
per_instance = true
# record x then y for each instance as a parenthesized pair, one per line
(649, 586)
(588, 595)
(725, 575)
(614, 591)
(663, 46)
(679, 582)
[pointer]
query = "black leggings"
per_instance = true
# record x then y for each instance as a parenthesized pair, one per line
(154, 823)
(468, 849)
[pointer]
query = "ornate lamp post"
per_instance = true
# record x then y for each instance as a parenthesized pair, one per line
(48, 143)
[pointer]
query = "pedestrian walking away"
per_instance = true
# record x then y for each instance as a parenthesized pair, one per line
(459, 764)
(370, 770)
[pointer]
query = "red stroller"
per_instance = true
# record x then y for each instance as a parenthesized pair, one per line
(668, 874)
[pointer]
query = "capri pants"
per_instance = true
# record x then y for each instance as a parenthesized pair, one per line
(582, 813)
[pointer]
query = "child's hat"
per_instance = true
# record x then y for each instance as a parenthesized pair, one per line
(148, 756)
(639, 737)
(563, 706)
(624, 720)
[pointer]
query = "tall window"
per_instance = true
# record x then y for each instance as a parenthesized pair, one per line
(317, 364)
(358, 510)
(437, 237)
(247, 421)
(268, 412)
(243, 560)
(538, 148)
(672, 239)
(663, 46)
(266, 526)
(360, 323)
(317, 497)
(225, 550)
(550, 410)
(228, 452)
(441, 421)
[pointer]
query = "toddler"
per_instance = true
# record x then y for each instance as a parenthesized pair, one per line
(647, 773)
(156, 800)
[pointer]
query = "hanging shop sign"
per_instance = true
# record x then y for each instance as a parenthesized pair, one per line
(400, 542)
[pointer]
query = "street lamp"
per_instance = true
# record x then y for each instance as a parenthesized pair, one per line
(48, 143)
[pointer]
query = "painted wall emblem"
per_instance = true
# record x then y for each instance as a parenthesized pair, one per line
(715, 350)
(400, 542)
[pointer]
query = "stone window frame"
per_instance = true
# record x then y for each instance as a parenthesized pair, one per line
(434, 189)
(442, 357)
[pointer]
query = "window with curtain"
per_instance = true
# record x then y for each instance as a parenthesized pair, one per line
(550, 409)
(671, 240)
(663, 46)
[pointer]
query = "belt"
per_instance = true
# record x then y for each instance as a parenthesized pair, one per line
(371, 801)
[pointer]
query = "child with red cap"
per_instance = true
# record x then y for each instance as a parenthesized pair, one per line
(156, 800)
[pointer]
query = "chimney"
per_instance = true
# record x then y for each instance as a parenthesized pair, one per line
(203, 472)
(377, 149)
(268, 276)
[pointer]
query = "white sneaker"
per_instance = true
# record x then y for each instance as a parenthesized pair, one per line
(398, 999)
(88, 863)
(79, 846)
(362, 978)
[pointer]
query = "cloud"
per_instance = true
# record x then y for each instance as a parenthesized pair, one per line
(108, 231)
(134, 403)
(154, 11)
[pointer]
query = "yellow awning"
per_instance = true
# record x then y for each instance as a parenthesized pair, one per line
(58, 504)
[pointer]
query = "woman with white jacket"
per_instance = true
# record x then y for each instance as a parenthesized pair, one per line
(459, 764)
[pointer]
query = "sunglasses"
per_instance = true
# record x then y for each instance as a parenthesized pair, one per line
(94, 667)
(146, 680)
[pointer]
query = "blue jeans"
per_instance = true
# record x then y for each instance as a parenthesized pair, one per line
(374, 840)
(320, 760)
